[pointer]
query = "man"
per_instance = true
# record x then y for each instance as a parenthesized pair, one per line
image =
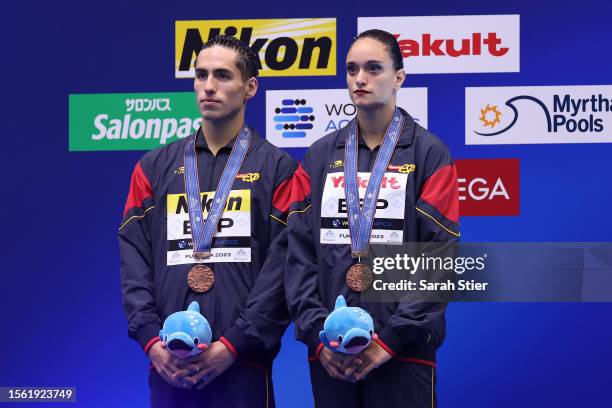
(232, 265)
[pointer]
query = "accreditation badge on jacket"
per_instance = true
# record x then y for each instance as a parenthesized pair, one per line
(232, 239)
(388, 227)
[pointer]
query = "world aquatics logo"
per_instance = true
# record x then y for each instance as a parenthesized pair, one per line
(293, 118)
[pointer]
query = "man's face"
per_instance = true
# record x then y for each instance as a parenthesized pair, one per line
(219, 87)
(371, 79)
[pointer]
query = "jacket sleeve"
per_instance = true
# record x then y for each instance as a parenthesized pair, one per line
(264, 318)
(437, 211)
(137, 262)
(301, 275)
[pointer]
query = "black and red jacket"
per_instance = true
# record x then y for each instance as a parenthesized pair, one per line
(315, 273)
(246, 306)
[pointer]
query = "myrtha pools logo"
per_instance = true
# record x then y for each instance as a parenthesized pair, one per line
(485, 116)
(293, 118)
(526, 115)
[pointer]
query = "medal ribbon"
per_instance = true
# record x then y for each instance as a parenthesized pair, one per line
(202, 233)
(360, 222)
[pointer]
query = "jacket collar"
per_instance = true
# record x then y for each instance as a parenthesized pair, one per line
(200, 141)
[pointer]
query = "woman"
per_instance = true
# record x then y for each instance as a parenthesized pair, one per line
(415, 201)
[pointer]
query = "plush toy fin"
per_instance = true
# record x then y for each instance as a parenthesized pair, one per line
(323, 339)
(194, 307)
(340, 302)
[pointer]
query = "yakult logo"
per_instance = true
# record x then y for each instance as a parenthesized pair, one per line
(452, 47)
(453, 44)
(362, 182)
(489, 186)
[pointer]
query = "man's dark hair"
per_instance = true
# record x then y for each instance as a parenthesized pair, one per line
(390, 43)
(247, 61)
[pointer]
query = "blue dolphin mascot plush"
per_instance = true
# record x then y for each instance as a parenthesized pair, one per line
(186, 333)
(347, 330)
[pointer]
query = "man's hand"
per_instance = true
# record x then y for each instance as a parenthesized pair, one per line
(198, 371)
(336, 363)
(165, 364)
(371, 357)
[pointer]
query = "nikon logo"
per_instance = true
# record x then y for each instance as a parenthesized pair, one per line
(286, 47)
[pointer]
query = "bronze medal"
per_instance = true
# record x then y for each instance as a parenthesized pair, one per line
(359, 277)
(200, 278)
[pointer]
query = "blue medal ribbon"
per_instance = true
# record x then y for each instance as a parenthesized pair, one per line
(360, 222)
(202, 232)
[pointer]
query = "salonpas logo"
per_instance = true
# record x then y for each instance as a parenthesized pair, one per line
(140, 121)
(285, 47)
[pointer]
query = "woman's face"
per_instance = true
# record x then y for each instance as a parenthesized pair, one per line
(372, 81)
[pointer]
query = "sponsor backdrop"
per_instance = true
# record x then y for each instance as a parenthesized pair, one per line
(297, 118)
(520, 92)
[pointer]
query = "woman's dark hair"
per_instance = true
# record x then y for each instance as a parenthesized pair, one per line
(247, 61)
(390, 43)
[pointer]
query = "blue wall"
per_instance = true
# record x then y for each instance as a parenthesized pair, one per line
(62, 320)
